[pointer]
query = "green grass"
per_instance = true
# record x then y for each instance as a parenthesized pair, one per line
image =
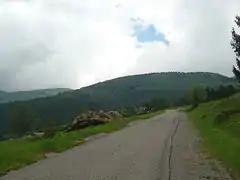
(17, 153)
(221, 138)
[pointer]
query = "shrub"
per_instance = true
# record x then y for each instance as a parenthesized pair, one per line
(223, 116)
(50, 132)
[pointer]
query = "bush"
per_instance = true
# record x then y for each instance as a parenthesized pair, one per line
(50, 132)
(2, 138)
(223, 116)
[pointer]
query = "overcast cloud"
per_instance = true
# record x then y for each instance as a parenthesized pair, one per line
(74, 43)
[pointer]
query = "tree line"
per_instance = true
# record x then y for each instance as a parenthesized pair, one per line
(194, 97)
(199, 94)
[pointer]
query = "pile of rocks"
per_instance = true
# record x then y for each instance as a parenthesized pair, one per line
(93, 118)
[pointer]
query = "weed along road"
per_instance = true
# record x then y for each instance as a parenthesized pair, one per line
(164, 147)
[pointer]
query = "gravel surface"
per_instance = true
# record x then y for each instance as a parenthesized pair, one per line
(165, 147)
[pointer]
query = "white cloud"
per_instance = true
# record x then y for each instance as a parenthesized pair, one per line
(73, 43)
(199, 35)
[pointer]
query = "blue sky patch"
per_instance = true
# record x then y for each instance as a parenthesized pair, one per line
(148, 33)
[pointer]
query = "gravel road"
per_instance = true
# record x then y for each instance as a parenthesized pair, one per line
(165, 147)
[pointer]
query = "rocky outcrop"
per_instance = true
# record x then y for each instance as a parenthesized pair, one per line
(93, 118)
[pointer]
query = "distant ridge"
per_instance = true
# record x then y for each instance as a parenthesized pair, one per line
(28, 95)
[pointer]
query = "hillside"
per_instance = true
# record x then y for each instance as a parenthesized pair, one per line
(137, 88)
(28, 95)
(219, 125)
(113, 94)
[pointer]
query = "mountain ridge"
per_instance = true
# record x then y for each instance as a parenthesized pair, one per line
(8, 96)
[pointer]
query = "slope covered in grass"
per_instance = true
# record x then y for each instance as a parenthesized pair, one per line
(219, 125)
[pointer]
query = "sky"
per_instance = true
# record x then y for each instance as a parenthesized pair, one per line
(75, 43)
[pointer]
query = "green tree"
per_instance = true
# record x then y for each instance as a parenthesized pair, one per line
(20, 118)
(236, 47)
(155, 104)
(197, 94)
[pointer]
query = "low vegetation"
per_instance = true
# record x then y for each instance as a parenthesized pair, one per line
(219, 125)
(19, 152)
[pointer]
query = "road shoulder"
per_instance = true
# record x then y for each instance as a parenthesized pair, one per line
(188, 160)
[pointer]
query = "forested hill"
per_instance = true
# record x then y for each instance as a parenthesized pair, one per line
(130, 90)
(28, 95)
(112, 94)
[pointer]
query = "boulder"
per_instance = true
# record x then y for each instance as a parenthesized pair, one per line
(115, 114)
(93, 118)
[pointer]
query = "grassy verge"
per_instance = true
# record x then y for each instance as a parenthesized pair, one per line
(17, 153)
(219, 125)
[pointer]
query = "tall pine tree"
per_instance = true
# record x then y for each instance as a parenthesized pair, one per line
(236, 47)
